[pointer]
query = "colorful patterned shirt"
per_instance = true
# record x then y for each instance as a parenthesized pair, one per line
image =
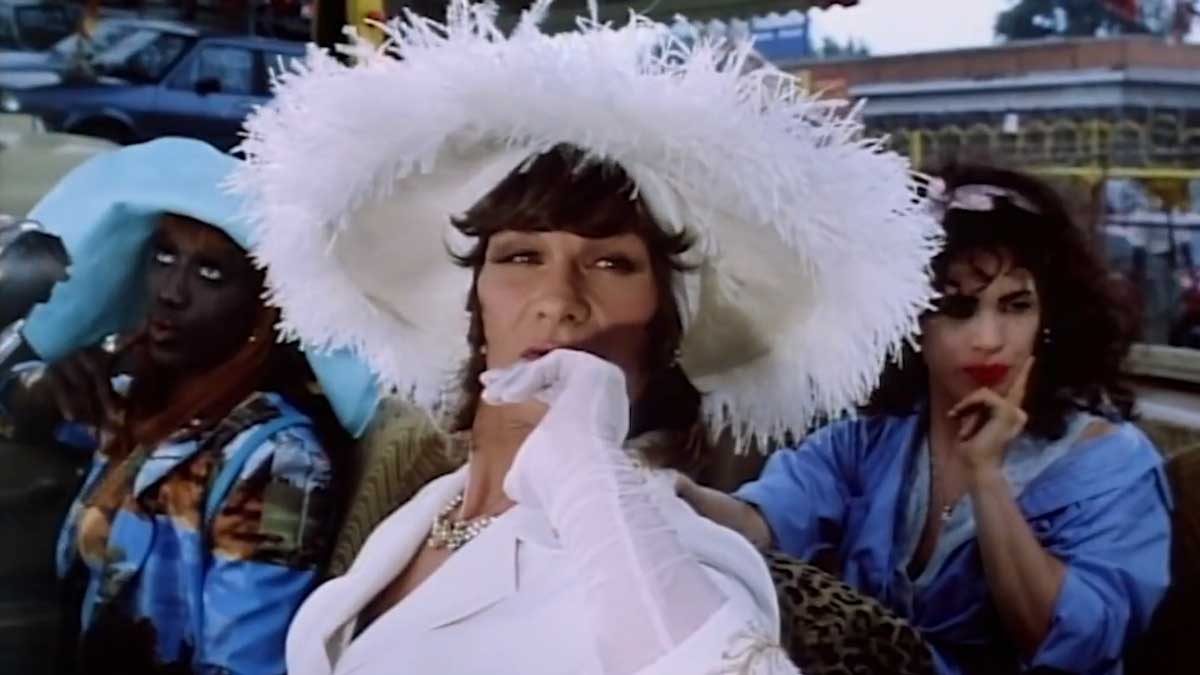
(198, 551)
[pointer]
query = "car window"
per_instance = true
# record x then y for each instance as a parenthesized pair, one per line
(276, 62)
(232, 67)
(103, 36)
(40, 26)
(8, 34)
(144, 56)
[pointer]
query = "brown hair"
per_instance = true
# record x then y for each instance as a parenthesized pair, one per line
(565, 190)
(1086, 330)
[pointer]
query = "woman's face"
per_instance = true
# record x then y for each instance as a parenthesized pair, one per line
(985, 329)
(203, 294)
(540, 291)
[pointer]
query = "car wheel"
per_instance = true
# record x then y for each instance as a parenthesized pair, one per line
(107, 129)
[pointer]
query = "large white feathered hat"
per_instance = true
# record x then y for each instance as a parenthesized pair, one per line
(813, 246)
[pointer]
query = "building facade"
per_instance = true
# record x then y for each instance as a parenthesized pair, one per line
(1115, 122)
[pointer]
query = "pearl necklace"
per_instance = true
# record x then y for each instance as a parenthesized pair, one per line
(453, 534)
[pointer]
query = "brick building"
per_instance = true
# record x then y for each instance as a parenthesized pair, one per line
(1116, 122)
(1130, 102)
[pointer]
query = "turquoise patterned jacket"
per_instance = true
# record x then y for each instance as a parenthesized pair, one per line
(198, 565)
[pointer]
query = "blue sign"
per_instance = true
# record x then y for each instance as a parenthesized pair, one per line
(776, 39)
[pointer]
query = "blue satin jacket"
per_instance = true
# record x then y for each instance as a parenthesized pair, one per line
(1101, 507)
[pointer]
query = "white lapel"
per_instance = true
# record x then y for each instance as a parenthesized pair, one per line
(473, 579)
(387, 551)
(479, 575)
(486, 571)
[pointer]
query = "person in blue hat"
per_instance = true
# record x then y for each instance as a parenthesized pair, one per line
(212, 495)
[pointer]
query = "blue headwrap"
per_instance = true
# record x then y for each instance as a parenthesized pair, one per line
(106, 211)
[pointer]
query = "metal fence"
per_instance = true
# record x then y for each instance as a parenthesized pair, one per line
(1157, 255)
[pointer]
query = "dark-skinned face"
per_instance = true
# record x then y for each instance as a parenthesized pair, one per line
(203, 296)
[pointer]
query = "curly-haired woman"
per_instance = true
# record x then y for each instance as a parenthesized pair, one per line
(995, 497)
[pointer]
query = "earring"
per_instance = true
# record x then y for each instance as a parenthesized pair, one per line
(483, 350)
(675, 356)
(1047, 336)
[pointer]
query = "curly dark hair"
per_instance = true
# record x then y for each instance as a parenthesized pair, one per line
(1086, 329)
(565, 190)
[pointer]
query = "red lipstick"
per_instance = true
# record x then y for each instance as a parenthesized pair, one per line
(987, 375)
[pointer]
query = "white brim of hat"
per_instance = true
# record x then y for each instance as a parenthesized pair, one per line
(813, 248)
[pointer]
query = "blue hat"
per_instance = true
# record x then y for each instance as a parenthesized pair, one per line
(106, 211)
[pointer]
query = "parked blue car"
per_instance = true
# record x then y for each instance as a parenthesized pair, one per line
(72, 56)
(171, 83)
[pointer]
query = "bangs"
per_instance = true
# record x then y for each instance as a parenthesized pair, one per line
(564, 191)
(1011, 234)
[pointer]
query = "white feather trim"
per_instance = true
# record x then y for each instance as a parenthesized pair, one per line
(814, 246)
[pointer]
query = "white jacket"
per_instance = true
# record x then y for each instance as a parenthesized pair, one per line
(508, 603)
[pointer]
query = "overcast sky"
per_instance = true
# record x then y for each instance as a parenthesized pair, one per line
(898, 26)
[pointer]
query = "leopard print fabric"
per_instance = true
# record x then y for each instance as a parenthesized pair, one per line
(832, 629)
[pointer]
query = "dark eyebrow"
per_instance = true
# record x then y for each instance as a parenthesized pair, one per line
(207, 260)
(1016, 295)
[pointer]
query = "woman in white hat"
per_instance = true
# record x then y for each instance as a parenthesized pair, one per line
(652, 243)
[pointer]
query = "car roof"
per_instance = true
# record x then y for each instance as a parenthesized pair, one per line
(154, 24)
(256, 42)
(27, 3)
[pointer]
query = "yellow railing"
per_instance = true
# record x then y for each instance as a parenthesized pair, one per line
(1163, 146)
(1097, 173)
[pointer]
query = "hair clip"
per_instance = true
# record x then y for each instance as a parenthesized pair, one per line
(978, 197)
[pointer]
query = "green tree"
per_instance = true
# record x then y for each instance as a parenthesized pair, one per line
(832, 49)
(1031, 19)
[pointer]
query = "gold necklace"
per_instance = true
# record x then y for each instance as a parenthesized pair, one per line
(452, 534)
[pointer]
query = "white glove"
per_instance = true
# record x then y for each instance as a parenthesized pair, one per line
(646, 593)
(586, 394)
(588, 417)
